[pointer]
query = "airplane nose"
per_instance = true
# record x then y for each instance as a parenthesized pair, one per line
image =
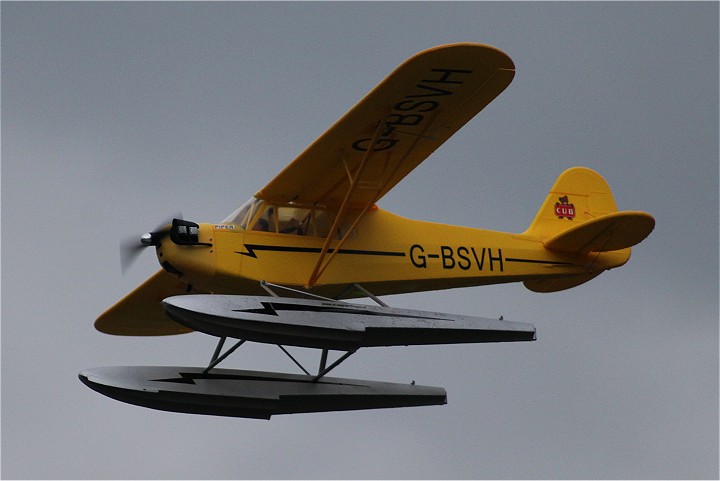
(186, 250)
(186, 233)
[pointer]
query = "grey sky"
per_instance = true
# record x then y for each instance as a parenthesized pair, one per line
(116, 115)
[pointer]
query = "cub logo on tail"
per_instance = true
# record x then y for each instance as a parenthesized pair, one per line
(564, 209)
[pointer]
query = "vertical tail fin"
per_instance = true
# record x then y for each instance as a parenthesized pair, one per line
(578, 195)
(579, 216)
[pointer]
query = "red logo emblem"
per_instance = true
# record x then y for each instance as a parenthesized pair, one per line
(564, 209)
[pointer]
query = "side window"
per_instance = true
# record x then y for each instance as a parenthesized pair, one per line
(289, 219)
(295, 220)
(267, 221)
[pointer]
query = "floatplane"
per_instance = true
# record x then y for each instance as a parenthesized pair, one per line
(282, 268)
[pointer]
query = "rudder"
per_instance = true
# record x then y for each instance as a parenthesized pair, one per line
(579, 216)
(578, 195)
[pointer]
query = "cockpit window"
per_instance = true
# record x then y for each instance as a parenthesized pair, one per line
(295, 220)
(243, 214)
(267, 221)
(259, 215)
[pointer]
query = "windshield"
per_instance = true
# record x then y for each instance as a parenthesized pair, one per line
(243, 214)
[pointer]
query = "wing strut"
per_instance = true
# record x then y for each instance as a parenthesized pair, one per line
(354, 182)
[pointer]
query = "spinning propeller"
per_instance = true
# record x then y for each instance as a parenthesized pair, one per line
(131, 247)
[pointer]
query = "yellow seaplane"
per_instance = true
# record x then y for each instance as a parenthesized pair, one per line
(316, 234)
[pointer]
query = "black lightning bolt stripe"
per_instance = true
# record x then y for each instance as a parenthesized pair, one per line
(191, 377)
(252, 248)
(271, 308)
(533, 261)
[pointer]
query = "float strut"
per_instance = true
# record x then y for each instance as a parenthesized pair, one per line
(333, 365)
(323, 360)
(218, 349)
(218, 360)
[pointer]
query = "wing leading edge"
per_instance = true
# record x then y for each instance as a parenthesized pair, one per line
(141, 313)
(409, 114)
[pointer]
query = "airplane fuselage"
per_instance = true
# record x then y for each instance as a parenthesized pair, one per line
(385, 253)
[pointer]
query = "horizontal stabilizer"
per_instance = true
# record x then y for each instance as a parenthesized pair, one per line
(610, 232)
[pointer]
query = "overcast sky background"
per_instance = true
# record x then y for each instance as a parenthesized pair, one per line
(117, 115)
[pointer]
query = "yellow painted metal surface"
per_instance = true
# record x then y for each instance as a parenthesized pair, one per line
(140, 313)
(609, 232)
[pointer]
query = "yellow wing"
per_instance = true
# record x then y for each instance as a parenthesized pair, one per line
(409, 114)
(141, 313)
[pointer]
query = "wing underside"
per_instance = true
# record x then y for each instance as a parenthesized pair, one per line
(140, 313)
(394, 127)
